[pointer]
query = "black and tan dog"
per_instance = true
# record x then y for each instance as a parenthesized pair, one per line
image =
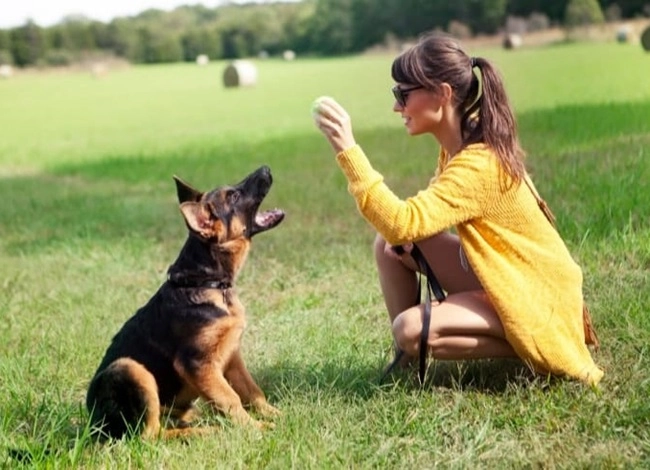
(184, 343)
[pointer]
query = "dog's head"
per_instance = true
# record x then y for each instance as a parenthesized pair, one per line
(229, 213)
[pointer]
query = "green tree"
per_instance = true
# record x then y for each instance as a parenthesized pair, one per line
(487, 16)
(6, 57)
(629, 8)
(331, 27)
(73, 34)
(156, 45)
(27, 44)
(100, 33)
(371, 22)
(295, 19)
(201, 41)
(583, 13)
(554, 9)
(5, 40)
(234, 40)
(122, 38)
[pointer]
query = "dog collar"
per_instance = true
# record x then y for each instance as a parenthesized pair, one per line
(198, 281)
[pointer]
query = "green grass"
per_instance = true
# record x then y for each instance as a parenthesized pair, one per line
(89, 224)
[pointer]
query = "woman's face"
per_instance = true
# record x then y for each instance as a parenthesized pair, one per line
(422, 110)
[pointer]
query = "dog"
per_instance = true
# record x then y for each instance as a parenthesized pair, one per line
(184, 344)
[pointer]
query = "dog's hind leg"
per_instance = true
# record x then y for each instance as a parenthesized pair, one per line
(244, 385)
(123, 399)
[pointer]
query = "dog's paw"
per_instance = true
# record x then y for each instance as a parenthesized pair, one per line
(267, 410)
(264, 425)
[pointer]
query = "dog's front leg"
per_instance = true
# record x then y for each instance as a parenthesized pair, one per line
(213, 387)
(243, 383)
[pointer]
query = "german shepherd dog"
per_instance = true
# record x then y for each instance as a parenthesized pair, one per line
(184, 344)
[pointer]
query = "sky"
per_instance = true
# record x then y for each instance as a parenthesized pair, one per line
(48, 12)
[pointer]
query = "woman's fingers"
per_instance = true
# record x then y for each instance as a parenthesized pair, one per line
(334, 122)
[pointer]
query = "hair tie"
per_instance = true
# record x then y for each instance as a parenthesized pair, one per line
(472, 62)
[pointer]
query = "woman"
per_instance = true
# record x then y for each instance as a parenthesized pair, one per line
(512, 286)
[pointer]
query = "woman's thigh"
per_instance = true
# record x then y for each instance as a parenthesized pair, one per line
(448, 262)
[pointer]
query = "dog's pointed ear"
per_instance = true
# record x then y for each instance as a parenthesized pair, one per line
(186, 193)
(197, 218)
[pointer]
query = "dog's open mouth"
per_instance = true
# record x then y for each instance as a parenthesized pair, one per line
(266, 220)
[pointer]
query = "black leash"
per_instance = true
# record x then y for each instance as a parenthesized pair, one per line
(433, 290)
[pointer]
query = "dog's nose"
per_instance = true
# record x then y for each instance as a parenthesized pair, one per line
(265, 170)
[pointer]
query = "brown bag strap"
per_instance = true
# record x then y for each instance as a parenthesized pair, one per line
(591, 338)
(541, 202)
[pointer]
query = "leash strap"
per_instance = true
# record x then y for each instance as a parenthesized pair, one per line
(433, 290)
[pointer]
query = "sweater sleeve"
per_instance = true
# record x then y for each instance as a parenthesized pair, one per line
(458, 193)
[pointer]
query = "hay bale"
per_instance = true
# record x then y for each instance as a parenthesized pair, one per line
(645, 39)
(98, 69)
(240, 73)
(6, 71)
(288, 55)
(202, 59)
(623, 34)
(512, 41)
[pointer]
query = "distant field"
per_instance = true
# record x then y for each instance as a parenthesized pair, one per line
(89, 225)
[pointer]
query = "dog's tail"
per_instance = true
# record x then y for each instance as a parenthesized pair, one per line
(123, 399)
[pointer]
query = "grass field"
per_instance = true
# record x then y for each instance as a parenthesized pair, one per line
(89, 225)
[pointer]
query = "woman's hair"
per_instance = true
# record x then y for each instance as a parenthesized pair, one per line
(486, 115)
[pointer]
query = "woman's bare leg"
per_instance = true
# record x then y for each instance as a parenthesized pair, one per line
(464, 326)
(443, 254)
(398, 278)
(398, 281)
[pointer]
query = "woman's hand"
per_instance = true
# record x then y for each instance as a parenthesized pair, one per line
(397, 252)
(334, 122)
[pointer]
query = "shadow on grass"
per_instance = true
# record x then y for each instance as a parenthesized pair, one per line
(288, 380)
(363, 382)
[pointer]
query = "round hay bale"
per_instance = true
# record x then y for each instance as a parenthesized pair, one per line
(202, 59)
(623, 34)
(645, 39)
(98, 69)
(240, 73)
(512, 41)
(288, 55)
(6, 71)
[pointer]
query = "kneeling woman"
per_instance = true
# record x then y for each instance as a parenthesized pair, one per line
(513, 287)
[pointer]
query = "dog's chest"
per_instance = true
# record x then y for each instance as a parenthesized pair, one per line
(225, 300)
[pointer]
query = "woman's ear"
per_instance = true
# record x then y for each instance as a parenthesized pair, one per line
(446, 92)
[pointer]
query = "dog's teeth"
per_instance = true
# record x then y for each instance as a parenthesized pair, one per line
(268, 218)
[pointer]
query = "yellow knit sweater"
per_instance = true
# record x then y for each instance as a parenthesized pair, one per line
(520, 259)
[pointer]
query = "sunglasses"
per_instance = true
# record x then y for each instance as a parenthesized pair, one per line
(402, 94)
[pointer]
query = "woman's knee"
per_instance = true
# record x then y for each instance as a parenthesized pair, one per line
(407, 329)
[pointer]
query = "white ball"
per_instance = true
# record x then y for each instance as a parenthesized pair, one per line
(315, 106)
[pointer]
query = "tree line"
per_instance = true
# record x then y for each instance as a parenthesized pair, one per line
(314, 27)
